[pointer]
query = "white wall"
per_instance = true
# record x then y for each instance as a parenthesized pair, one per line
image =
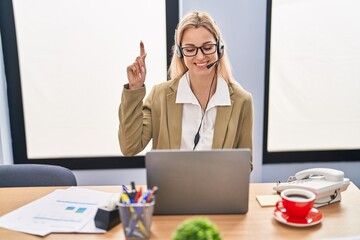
(243, 25)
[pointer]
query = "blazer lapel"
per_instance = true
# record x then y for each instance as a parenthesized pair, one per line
(174, 116)
(223, 115)
(221, 124)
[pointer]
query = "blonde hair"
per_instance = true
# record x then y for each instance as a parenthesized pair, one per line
(195, 20)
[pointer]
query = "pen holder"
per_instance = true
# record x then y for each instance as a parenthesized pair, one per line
(136, 219)
(107, 219)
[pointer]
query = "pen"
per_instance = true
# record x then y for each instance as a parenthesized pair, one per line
(133, 190)
(146, 196)
(137, 220)
(127, 193)
(124, 198)
(138, 195)
(152, 193)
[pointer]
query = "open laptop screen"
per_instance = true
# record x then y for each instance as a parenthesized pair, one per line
(199, 182)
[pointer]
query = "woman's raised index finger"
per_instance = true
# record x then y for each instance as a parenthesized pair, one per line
(142, 49)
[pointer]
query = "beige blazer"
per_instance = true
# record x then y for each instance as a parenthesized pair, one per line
(160, 119)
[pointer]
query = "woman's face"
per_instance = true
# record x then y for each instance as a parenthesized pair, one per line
(192, 39)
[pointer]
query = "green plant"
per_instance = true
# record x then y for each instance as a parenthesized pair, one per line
(197, 229)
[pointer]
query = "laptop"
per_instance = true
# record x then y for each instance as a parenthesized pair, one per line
(199, 182)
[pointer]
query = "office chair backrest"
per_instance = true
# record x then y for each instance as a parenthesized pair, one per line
(34, 175)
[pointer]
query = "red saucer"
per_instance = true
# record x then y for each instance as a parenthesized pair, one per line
(314, 217)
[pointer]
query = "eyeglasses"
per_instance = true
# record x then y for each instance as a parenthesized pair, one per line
(206, 49)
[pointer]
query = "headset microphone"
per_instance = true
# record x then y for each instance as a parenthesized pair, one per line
(220, 54)
(212, 64)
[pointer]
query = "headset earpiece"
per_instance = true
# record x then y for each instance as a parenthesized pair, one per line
(219, 47)
(177, 46)
(178, 51)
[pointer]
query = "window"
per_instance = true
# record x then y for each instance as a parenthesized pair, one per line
(312, 82)
(65, 65)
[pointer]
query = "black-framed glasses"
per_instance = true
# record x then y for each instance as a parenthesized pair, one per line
(206, 49)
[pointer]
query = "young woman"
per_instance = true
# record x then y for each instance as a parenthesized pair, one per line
(200, 107)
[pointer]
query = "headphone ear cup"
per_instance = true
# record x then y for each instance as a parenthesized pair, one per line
(178, 51)
(177, 46)
(220, 48)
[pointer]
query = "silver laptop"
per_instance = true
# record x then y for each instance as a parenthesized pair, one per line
(199, 182)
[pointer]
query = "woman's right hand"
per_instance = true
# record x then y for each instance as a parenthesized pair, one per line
(136, 72)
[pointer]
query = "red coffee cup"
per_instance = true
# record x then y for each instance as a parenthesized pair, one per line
(296, 203)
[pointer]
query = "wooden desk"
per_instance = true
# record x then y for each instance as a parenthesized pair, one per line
(340, 219)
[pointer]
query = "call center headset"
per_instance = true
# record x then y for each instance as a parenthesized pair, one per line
(219, 50)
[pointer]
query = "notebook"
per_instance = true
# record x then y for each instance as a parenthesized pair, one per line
(199, 182)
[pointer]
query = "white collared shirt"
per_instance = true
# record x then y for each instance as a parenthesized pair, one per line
(192, 113)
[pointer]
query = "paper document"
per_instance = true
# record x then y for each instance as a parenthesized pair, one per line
(69, 210)
(268, 200)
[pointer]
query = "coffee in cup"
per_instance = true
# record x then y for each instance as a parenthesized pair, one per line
(296, 203)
